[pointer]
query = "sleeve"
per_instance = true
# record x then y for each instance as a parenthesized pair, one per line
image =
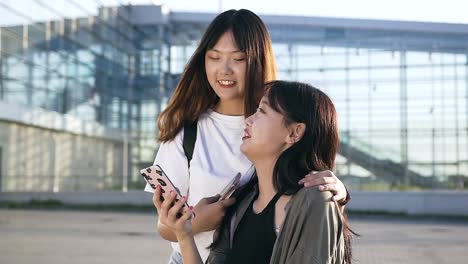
(319, 237)
(172, 159)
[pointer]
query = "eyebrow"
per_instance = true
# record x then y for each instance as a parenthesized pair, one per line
(235, 51)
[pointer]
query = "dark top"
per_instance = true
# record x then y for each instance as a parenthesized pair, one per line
(312, 231)
(255, 235)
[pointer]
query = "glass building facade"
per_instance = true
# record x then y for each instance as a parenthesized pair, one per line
(400, 88)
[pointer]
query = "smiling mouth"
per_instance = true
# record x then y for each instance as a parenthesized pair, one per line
(246, 134)
(226, 83)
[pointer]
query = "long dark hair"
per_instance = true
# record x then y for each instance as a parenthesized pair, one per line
(194, 95)
(317, 148)
(315, 151)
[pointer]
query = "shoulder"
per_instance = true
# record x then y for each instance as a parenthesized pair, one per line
(177, 140)
(203, 116)
(313, 195)
(315, 210)
(169, 150)
(311, 199)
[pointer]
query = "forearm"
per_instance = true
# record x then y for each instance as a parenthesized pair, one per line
(198, 227)
(188, 248)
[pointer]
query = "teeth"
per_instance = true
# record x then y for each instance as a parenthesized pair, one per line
(224, 82)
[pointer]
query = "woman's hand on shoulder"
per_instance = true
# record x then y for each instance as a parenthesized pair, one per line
(174, 214)
(326, 181)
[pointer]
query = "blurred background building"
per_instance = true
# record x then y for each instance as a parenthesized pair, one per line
(81, 88)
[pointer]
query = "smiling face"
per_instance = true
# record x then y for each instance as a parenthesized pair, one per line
(266, 135)
(225, 67)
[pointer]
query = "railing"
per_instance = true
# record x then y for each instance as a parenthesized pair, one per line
(383, 163)
(364, 145)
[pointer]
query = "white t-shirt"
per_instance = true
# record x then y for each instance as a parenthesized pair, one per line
(216, 160)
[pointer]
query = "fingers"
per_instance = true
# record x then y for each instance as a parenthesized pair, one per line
(211, 199)
(327, 187)
(338, 197)
(310, 179)
(311, 174)
(173, 212)
(228, 202)
(157, 201)
(313, 181)
(167, 204)
(176, 209)
(186, 215)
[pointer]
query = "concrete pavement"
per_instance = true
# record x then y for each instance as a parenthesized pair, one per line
(53, 237)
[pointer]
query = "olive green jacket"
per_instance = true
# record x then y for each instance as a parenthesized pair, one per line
(312, 231)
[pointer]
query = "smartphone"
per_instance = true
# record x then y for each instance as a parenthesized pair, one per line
(229, 189)
(155, 175)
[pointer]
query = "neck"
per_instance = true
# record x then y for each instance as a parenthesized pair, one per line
(266, 190)
(230, 107)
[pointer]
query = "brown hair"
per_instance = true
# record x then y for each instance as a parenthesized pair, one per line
(194, 95)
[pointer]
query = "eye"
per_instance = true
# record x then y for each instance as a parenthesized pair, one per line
(240, 59)
(213, 58)
(259, 109)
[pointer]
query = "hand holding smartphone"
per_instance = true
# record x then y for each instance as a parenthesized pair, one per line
(154, 176)
(229, 189)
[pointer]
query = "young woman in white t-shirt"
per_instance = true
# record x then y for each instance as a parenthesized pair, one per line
(222, 83)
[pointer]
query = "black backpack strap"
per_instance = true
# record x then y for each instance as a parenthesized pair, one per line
(190, 135)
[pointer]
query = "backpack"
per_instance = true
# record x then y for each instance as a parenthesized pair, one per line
(190, 136)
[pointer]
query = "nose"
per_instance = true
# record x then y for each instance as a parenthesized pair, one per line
(226, 67)
(248, 121)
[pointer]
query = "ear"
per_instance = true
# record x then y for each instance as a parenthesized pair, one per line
(297, 130)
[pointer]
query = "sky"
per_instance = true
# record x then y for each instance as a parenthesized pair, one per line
(448, 11)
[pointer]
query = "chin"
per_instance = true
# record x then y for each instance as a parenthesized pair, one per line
(228, 95)
(243, 148)
(249, 153)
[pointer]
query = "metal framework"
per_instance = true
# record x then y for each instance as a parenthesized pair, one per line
(401, 88)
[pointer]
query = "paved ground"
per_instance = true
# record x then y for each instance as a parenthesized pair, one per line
(53, 237)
